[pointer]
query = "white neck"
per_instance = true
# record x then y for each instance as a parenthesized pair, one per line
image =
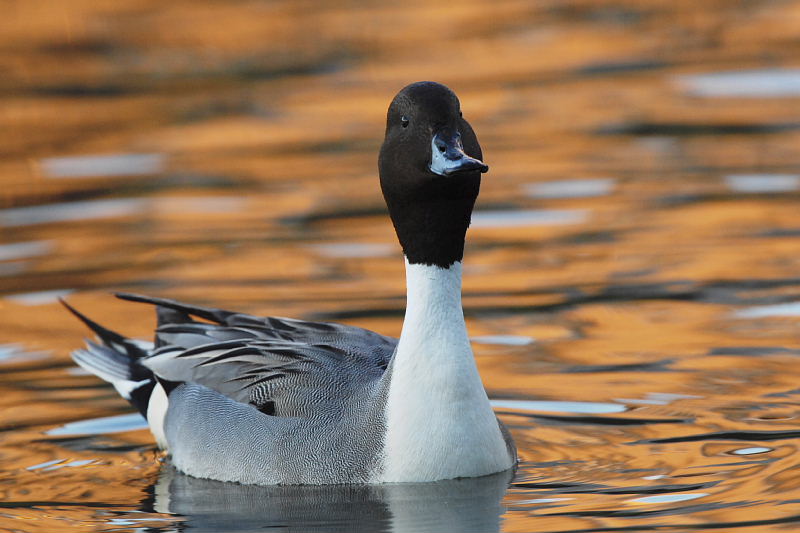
(434, 314)
(440, 424)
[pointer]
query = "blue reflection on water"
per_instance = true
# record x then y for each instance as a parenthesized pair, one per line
(92, 166)
(669, 498)
(38, 297)
(506, 340)
(70, 211)
(763, 311)
(756, 83)
(99, 426)
(578, 188)
(761, 183)
(528, 217)
(560, 407)
(24, 250)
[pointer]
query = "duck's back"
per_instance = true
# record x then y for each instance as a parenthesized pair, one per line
(267, 400)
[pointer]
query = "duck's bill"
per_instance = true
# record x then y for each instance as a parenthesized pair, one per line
(448, 157)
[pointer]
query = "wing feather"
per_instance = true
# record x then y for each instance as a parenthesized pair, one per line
(281, 366)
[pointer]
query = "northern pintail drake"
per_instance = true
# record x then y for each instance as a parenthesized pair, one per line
(268, 400)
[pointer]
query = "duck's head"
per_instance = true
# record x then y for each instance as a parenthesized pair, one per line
(430, 167)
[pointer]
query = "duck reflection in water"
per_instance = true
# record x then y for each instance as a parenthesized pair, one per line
(463, 505)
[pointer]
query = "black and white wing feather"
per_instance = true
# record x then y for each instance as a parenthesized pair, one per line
(283, 367)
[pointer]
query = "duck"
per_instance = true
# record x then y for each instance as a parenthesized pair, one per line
(278, 401)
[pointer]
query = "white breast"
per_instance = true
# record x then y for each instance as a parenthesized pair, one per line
(440, 424)
(156, 411)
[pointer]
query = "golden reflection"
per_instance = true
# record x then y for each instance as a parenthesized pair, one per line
(264, 120)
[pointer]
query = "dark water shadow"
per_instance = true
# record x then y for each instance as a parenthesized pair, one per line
(465, 505)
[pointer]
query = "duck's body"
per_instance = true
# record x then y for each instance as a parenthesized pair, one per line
(278, 401)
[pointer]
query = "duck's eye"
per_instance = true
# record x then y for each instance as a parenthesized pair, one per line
(404, 121)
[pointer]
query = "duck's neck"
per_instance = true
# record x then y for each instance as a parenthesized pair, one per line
(434, 321)
(439, 421)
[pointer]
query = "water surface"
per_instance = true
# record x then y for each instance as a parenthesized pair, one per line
(632, 277)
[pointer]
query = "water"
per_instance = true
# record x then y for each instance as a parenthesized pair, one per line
(632, 278)
(102, 165)
(757, 83)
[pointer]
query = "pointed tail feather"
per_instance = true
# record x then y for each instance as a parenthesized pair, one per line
(109, 338)
(115, 361)
(208, 313)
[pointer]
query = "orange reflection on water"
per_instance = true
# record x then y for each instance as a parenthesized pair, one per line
(249, 132)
